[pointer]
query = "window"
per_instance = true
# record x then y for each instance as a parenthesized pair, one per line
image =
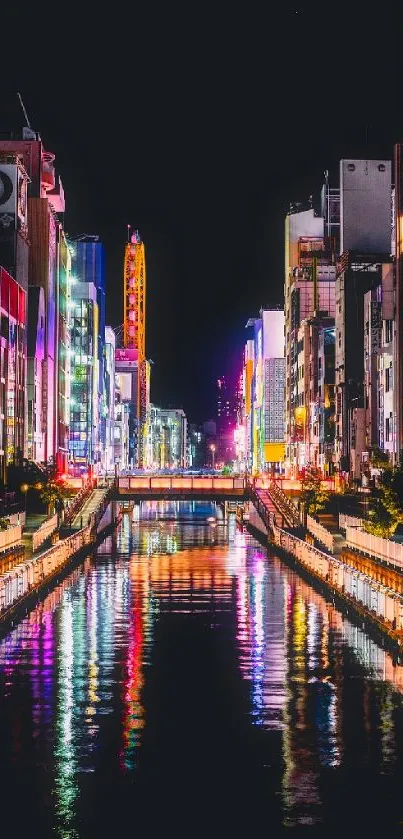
(388, 379)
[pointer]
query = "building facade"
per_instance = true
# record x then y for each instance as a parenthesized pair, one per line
(13, 343)
(88, 266)
(108, 453)
(43, 263)
(35, 448)
(365, 259)
(85, 452)
(311, 241)
(167, 438)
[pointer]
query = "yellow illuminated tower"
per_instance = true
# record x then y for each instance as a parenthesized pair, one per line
(134, 326)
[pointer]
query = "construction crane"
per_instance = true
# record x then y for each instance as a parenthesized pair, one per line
(134, 325)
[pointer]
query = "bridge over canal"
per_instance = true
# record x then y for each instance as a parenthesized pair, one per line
(189, 487)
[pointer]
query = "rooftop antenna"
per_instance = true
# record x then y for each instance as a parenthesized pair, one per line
(24, 111)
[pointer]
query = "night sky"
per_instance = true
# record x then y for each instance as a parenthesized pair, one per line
(199, 126)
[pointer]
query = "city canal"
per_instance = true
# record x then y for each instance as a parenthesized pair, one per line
(183, 681)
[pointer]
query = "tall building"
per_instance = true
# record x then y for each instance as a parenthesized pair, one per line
(131, 359)
(44, 266)
(13, 301)
(85, 451)
(365, 262)
(397, 431)
(311, 242)
(266, 388)
(121, 433)
(62, 356)
(13, 343)
(126, 377)
(226, 422)
(108, 455)
(88, 266)
(167, 438)
(323, 390)
(35, 448)
(196, 447)
(248, 379)
(389, 408)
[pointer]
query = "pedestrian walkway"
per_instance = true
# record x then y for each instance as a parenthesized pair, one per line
(32, 523)
(89, 507)
(331, 523)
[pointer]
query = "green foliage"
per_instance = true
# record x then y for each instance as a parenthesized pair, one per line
(314, 498)
(379, 458)
(227, 470)
(4, 523)
(386, 510)
(51, 494)
(379, 521)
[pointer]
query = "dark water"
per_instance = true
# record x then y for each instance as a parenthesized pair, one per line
(184, 682)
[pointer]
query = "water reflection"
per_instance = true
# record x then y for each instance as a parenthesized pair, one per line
(83, 681)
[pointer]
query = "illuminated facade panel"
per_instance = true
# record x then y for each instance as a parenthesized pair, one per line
(84, 401)
(12, 372)
(167, 438)
(108, 462)
(88, 266)
(134, 335)
(36, 353)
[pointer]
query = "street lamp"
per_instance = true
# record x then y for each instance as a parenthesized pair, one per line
(212, 449)
(24, 488)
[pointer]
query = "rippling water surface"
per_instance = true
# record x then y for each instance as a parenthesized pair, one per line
(184, 681)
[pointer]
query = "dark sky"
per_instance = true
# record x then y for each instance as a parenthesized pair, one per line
(198, 126)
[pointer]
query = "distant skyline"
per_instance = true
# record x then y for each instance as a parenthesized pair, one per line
(202, 143)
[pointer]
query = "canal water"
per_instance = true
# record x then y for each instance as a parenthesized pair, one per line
(184, 681)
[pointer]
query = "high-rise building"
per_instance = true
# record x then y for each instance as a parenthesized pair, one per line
(44, 267)
(397, 430)
(167, 438)
(85, 452)
(62, 357)
(88, 266)
(311, 238)
(131, 359)
(108, 457)
(248, 379)
(267, 390)
(36, 353)
(13, 301)
(226, 422)
(323, 393)
(121, 432)
(13, 344)
(365, 262)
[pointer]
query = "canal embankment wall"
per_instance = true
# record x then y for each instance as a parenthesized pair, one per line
(21, 587)
(371, 600)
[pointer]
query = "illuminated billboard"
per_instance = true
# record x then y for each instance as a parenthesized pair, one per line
(126, 354)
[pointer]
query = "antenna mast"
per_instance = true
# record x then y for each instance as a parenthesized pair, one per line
(23, 109)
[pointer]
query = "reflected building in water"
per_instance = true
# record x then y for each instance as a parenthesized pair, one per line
(321, 694)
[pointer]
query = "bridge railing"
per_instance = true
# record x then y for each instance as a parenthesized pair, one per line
(283, 503)
(162, 483)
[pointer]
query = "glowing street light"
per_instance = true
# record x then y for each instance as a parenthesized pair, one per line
(212, 449)
(24, 488)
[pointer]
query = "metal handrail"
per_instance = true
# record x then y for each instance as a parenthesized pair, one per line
(284, 504)
(77, 503)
